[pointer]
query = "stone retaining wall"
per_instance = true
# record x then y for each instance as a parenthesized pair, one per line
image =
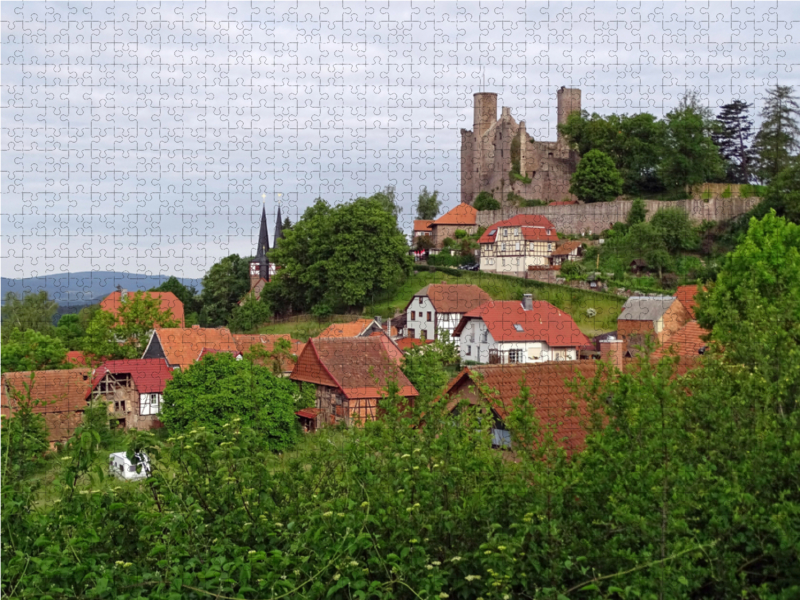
(577, 219)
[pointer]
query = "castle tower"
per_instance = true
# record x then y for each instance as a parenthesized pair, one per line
(569, 101)
(259, 266)
(485, 112)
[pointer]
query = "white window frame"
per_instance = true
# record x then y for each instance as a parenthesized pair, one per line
(518, 356)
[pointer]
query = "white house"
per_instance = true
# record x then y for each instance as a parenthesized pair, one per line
(513, 245)
(518, 332)
(439, 307)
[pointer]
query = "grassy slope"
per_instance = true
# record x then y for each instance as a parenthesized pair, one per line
(573, 302)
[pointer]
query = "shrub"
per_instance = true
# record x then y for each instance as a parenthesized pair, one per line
(460, 234)
(596, 179)
(485, 201)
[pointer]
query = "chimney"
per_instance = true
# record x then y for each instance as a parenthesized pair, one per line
(123, 294)
(527, 301)
(613, 351)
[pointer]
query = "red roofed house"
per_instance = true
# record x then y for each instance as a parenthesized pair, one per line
(686, 341)
(658, 316)
(246, 342)
(439, 307)
(519, 332)
(62, 391)
(462, 216)
(357, 328)
(168, 302)
(134, 390)
(513, 245)
(349, 375)
(568, 251)
(686, 296)
(182, 346)
(407, 343)
(422, 228)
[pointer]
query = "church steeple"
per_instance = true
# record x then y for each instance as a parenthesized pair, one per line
(278, 227)
(259, 266)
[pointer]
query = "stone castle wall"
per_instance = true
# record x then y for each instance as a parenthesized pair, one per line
(576, 219)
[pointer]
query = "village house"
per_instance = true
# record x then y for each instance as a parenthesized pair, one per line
(513, 245)
(686, 295)
(167, 302)
(689, 340)
(494, 387)
(568, 251)
(349, 375)
(439, 307)
(62, 395)
(462, 217)
(518, 332)
(359, 328)
(134, 390)
(657, 316)
(422, 228)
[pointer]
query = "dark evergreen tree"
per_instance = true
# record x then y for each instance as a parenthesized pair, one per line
(779, 136)
(732, 137)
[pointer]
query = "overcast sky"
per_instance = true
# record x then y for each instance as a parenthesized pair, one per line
(141, 137)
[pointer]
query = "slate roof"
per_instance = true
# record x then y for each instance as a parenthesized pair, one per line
(534, 229)
(150, 375)
(453, 298)
(359, 367)
(463, 214)
(686, 296)
(685, 342)
(645, 308)
(544, 323)
(168, 301)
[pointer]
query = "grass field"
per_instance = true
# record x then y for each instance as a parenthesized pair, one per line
(500, 287)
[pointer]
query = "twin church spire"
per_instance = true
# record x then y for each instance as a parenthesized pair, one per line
(260, 266)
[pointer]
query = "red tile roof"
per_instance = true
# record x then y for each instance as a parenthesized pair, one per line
(567, 247)
(463, 214)
(544, 323)
(685, 342)
(686, 296)
(407, 343)
(453, 298)
(422, 225)
(182, 346)
(168, 301)
(246, 342)
(359, 367)
(534, 229)
(150, 375)
(352, 329)
(205, 351)
(308, 413)
(75, 357)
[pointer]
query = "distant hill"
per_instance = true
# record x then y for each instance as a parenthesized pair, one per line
(87, 287)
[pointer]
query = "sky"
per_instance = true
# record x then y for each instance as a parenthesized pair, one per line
(145, 136)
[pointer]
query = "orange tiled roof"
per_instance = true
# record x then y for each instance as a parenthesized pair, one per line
(183, 345)
(686, 296)
(686, 341)
(359, 367)
(567, 247)
(544, 323)
(463, 214)
(407, 343)
(453, 298)
(245, 342)
(422, 225)
(534, 229)
(168, 300)
(342, 330)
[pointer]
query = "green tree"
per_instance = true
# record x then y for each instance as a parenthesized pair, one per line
(485, 201)
(275, 359)
(778, 138)
(596, 179)
(186, 294)
(30, 350)
(287, 224)
(217, 390)
(126, 334)
(70, 331)
(430, 366)
(646, 241)
(250, 315)
(25, 437)
(428, 204)
(783, 195)
(690, 155)
(340, 256)
(33, 311)
(637, 213)
(732, 137)
(676, 229)
(388, 199)
(226, 282)
(423, 242)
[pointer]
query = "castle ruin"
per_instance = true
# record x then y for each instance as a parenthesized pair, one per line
(498, 155)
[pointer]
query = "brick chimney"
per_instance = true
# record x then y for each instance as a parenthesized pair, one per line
(613, 352)
(527, 301)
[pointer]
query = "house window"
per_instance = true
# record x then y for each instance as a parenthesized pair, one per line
(411, 333)
(550, 247)
(515, 356)
(413, 315)
(531, 246)
(429, 317)
(485, 336)
(469, 350)
(505, 231)
(503, 247)
(517, 248)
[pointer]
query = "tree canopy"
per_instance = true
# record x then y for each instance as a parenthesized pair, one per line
(30, 350)
(225, 283)
(33, 311)
(219, 389)
(778, 138)
(596, 179)
(428, 204)
(485, 201)
(733, 137)
(340, 256)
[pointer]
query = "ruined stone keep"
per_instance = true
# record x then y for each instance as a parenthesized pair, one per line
(497, 147)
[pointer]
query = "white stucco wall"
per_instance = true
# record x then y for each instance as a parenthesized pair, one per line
(146, 407)
(420, 305)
